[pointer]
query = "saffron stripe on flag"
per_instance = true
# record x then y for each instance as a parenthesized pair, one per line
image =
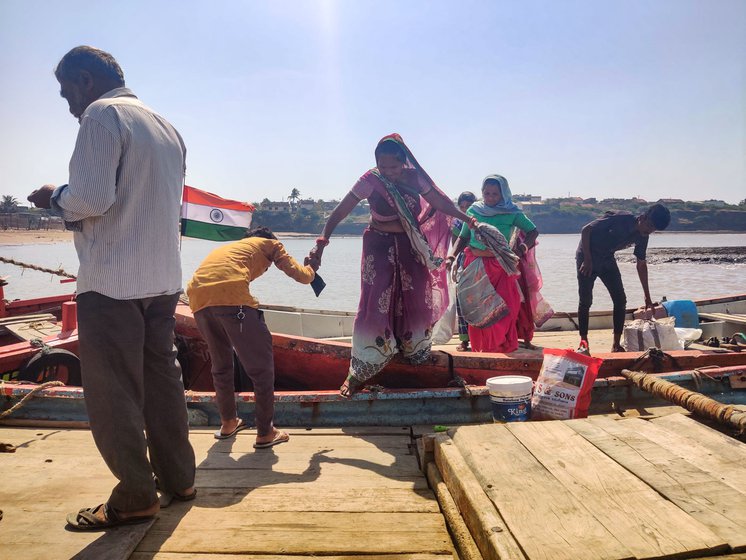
(196, 196)
(214, 215)
(212, 232)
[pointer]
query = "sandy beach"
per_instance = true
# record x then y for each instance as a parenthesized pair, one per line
(39, 236)
(34, 236)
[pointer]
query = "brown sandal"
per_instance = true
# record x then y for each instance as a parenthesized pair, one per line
(351, 386)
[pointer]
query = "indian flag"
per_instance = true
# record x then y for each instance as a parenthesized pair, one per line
(207, 216)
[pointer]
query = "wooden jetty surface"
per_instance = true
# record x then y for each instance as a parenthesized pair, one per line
(327, 492)
(602, 487)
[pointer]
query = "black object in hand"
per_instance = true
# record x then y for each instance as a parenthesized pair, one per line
(318, 284)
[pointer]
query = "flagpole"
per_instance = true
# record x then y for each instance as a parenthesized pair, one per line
(181, 217)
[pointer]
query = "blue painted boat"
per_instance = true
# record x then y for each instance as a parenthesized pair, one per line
(390, 407)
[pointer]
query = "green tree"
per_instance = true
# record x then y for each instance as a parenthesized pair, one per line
(8, 203)
(294, 195)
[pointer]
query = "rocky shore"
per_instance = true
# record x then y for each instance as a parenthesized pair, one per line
(704, 255)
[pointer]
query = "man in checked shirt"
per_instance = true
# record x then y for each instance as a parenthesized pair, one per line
(122, 200)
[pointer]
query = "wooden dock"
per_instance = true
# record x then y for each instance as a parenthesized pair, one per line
(605, 487)
(597, 488)
(327, 492)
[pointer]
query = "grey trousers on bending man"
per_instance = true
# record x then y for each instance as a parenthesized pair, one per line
(223, 331)
(135, 396)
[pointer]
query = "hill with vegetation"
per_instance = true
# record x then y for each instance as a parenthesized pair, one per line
(554, 215)
(560, 215)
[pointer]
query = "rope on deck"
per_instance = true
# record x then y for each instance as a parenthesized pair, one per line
(28, 395)
(58, 272)
(694, 402)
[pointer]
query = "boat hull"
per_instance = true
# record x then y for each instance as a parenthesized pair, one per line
(390, 407)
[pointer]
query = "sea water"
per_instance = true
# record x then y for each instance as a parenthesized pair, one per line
(341, 272)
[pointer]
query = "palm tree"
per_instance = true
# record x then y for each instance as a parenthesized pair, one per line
(294, 195)
(8, 203)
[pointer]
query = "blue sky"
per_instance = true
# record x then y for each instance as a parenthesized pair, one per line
(587, 98)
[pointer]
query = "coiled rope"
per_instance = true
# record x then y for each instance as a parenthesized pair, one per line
(694, 402)
(58, 272)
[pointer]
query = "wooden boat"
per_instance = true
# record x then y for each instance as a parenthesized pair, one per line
(449, 388)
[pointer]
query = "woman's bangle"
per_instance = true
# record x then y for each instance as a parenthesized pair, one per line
(322, 241)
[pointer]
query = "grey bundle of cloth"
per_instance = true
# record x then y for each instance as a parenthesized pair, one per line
(496, 243)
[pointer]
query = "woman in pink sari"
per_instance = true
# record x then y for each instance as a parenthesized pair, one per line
(403, 282)
(534, 310)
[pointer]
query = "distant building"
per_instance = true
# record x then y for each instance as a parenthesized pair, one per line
(329, 205)
(308, 204)
(671, 201)
(526, 198)
(276, 207)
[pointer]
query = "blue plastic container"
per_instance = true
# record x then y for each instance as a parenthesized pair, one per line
(684, 311)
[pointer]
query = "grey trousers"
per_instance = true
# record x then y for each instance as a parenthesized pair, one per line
(224, 331)
(135, 396)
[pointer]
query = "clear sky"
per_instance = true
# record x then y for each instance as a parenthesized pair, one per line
(590, 98)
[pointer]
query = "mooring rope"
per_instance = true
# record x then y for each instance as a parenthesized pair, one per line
(692, 401)
(28, 395)
(58, 272)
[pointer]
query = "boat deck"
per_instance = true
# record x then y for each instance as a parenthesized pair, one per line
(599, 340)
(327, 492)
(600, 487)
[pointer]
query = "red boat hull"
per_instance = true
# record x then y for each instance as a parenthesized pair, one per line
(311, 364)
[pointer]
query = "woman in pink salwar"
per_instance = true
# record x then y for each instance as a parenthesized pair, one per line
(403, 283)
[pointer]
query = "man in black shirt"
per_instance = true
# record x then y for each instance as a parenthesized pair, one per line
(599, 240)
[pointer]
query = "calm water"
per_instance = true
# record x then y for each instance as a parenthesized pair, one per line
(342, 260)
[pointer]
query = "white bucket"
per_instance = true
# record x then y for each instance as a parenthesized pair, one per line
(510, 396)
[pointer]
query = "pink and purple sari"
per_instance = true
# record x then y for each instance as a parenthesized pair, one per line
(535, 310)
(403, 281)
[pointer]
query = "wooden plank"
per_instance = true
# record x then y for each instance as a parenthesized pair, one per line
(35, 329)
(208, 531)
(485, 523)
(47, 439)
(322, 479)
(33, 526)
(702, 496)
(544, 517)
(730, 317)
(117, 544)
(649, 525)
(726, 557)
(382, 463)
(465, 546)
(709, 438)
(26, 318)
(244, 442)
(356, 431)
(725, 462)
(180, 556)
(282, 498)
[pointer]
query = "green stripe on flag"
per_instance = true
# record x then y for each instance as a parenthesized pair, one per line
(212, 232)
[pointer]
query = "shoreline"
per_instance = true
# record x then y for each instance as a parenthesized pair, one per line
(34, 236)
(53, 236)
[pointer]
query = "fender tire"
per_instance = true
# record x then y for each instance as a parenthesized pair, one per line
(44, 366)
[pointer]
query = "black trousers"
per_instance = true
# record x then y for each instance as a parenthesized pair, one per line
(135, 396)
(608, 271)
